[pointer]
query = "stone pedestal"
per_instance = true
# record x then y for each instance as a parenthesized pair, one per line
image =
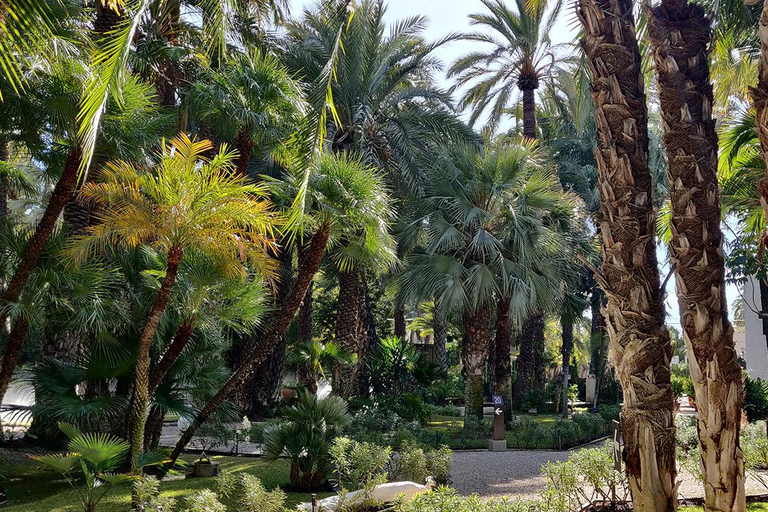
(591, 383)
(497, 446)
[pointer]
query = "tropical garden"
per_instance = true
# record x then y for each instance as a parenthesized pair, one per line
(292, 245)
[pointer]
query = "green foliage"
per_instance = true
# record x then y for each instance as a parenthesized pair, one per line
(147, 492)
(755, 399)
(96, 457)
(255, 498)
(445, 410)
(445, 499)
(204, 501)
(380, 425)
(681, 381)
(359, 465)
(417, 463)
(609, 412)
(307, 435)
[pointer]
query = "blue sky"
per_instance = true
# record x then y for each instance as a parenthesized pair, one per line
(447, 16)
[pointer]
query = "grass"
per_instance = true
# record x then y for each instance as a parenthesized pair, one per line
(751, 507)
(33, 488)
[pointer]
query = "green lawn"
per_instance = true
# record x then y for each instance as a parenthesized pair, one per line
(32, 488)
(751, 507)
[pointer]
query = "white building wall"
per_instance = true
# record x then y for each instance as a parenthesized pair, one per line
(756, 351)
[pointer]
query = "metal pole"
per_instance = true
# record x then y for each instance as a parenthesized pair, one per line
(314, 503)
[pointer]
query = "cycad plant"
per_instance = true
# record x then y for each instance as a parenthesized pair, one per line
(307, 435)
(187, 202)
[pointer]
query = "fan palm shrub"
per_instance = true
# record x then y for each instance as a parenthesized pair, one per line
(307, 436)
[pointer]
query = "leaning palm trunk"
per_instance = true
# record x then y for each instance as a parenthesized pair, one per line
(276, 326)
(680, 37)
(35, 247)
(760, 102)
(640, 346)
(138, 417)
(474, 350)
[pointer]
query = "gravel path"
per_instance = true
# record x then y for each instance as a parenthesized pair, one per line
(518, 473)
(510, 473)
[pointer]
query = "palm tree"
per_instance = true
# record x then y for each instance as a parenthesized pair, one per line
(187, 202)
(252, 102)
(696, 246)
(519, 53)
(471, 252)
(343, 195)
(313, 357)
(640, 345)
(760, 102)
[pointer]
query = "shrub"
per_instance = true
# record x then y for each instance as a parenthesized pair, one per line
(306, 436)
(592, 425)
(448, 500)
(755, 399)
(687, 434)
(379, 425)
(147, 490)
(445, 410)
(416, 464)
(525, 432)
(609, 412)
(359, 465)
(204, 501)
(255, 498)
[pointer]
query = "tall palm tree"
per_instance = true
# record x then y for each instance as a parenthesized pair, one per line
(760, 102)
(681, 54)
(518, 53)
(342, 195)
(186, 202)
(640, 344)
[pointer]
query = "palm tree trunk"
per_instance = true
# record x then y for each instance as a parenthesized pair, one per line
(566, 325)
(503, 366)
(4, 156)
(171, 354)
(440, 336)
(276, 327)
(35, 247)
(597, 341)
(350, 329)
(400, 328)
(529, 112)
(19, 330)
(680, 38)
(640, 347)
(244, 148)
(474, 350)
(531, 341)
(760, 102)
(138, 415)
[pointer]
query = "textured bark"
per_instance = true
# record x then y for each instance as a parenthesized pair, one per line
(35, 248)
(168, 70)
(503, 362)
(350, 329)
(400, 328)
(640, 347)
(153, 429)
(138, 415)
(529, 112)
(276, 327)
(19, 330)
(4, 155)
(304, 374)
(107, 19)
(680, 38)
(440, 329)
(171, 354)
(566, 326)
(370, 343)
(597, 335)
(474, 349)
(244, 147)
(531, 342)
(760, 103)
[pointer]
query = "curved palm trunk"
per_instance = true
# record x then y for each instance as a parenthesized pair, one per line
(171, 354)
(474, 349)
(531, 341)
(760, 102)
(35, 247)
(276, 327)
(503, 366)
(350, 329)
(138, 416)
(640, 346)
(680, 38)
(566, 325)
